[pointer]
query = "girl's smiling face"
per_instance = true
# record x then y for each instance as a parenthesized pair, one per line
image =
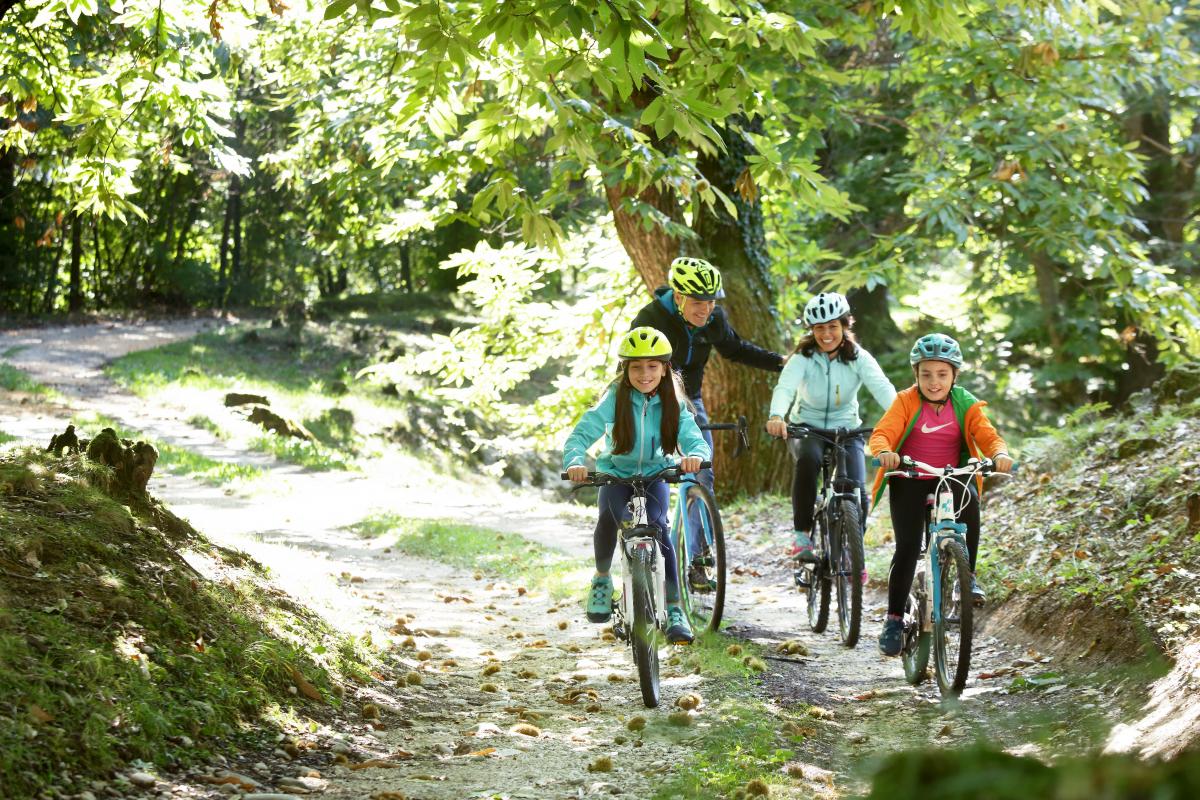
(828, 335)
(935, 379)
(645, 374)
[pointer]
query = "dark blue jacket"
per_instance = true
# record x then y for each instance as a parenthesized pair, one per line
(691, 347)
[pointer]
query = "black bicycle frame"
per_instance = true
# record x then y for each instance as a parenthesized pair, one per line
(833, 463)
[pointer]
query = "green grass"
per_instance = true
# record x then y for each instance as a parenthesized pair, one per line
(172, 458)
(112, 648)
(5, 438)
(503, 555)
(311, 455)
(15, 380)
(207, 424)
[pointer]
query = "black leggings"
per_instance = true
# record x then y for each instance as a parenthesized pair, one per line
(907, 500)
(808, 452)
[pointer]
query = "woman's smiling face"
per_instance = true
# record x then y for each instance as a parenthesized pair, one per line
(828, 335)
(645, 374)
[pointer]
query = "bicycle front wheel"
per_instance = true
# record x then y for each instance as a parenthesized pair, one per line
(847, 560)
(952, 630)
(701, 573)
(819, 583)
(644, 633)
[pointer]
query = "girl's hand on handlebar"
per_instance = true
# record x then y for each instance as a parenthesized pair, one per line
(1003, 464)
(577, 474)
(777, 427)
(888, 460)
(690, 464)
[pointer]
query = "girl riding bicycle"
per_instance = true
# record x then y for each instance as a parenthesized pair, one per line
(641, 430)
(939, 423)
(819, 387)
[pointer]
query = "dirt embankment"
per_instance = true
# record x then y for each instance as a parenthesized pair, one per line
(1098, 545)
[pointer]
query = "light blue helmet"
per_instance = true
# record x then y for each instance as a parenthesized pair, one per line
(936, 347)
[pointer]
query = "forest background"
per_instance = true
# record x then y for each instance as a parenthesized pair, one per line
(1022, 176)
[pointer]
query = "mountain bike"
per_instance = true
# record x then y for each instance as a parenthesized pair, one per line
(699, 541)
(838, 535)
(939, 612)
(640, 616)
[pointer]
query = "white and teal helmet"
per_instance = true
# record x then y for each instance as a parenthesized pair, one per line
(825, 307)
(696, 278)
(936, 347)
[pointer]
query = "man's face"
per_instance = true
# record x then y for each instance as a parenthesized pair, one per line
(696, 312)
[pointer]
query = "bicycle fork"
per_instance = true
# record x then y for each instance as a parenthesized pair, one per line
(945, 534)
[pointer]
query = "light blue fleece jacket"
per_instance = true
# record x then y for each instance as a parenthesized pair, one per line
(823, 392)
(647, 456)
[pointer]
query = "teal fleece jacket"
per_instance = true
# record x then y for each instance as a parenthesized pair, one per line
(647, 456)
(824, 393)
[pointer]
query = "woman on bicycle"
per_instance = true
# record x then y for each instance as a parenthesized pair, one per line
(643, 422)
(940, 424)
(819, 387)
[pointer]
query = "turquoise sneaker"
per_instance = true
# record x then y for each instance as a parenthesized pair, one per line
(678, 630)
(599, 604)
(802, 548)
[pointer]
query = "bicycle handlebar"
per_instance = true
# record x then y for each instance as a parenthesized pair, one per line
(918, 469)
(831, 435)
(670, 474)
(741, 426)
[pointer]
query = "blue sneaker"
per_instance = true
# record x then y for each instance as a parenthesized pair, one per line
(599, 604)
(678, 629)
(891, 639)
(802, 548)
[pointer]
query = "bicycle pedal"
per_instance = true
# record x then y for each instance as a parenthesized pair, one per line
(620, 632)
(803, 578)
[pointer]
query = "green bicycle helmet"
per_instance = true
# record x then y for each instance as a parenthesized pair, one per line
(645, 342)
(696, 278)
(936, 347)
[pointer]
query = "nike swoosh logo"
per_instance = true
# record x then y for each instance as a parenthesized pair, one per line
(926, 429)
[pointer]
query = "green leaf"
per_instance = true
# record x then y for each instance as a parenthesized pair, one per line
(337, 8)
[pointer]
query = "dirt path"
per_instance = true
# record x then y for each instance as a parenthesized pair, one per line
(491, 656)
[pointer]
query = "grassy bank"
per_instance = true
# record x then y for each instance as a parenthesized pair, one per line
(126, 635)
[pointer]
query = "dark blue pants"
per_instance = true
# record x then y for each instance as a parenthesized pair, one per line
(705, 478)
(613, 500)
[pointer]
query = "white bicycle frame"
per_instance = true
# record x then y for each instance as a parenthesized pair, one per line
(641, 548)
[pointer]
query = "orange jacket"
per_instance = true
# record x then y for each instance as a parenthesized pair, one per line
(979, 437)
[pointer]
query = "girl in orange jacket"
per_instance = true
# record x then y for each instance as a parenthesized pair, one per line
(940, 424)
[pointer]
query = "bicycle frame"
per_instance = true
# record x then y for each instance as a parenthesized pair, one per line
(834, 483)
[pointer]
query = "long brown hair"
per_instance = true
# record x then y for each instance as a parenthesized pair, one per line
(847, 351)
(668, 391)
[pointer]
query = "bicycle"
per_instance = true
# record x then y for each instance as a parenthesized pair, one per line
(640, 617)
(698, 537)
(838, 527)
(935, 616)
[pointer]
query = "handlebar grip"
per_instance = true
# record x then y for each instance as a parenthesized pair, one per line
(565, 476)
(874, 463)
(705, 465)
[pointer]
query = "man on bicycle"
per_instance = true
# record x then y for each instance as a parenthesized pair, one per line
(686, 311)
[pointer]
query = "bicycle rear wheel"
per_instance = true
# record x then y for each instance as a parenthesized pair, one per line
(644, 632)
(819, 584)
(847, 561)
(914, 651)
(701, 574)
(952, 631)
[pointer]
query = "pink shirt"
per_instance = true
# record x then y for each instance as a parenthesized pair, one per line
(936, 438)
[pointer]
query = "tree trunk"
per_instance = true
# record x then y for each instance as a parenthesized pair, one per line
(75, 299)
(1169, 177)
(738, 247)
(873, 323)
(10, 237)
(103, 295)
(406, 265)
(223, 258)
(651, 251)
(51, 295)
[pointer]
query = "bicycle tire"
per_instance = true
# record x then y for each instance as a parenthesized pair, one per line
(644, 632)
(703, 608)
(952, 632)
(819, 585)
(847, 561)
(914, 651)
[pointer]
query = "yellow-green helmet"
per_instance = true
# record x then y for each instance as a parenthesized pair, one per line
(645, 342)
(696, 278)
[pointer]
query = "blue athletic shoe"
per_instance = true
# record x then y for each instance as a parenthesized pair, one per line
(599, 604)
(891, 639)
